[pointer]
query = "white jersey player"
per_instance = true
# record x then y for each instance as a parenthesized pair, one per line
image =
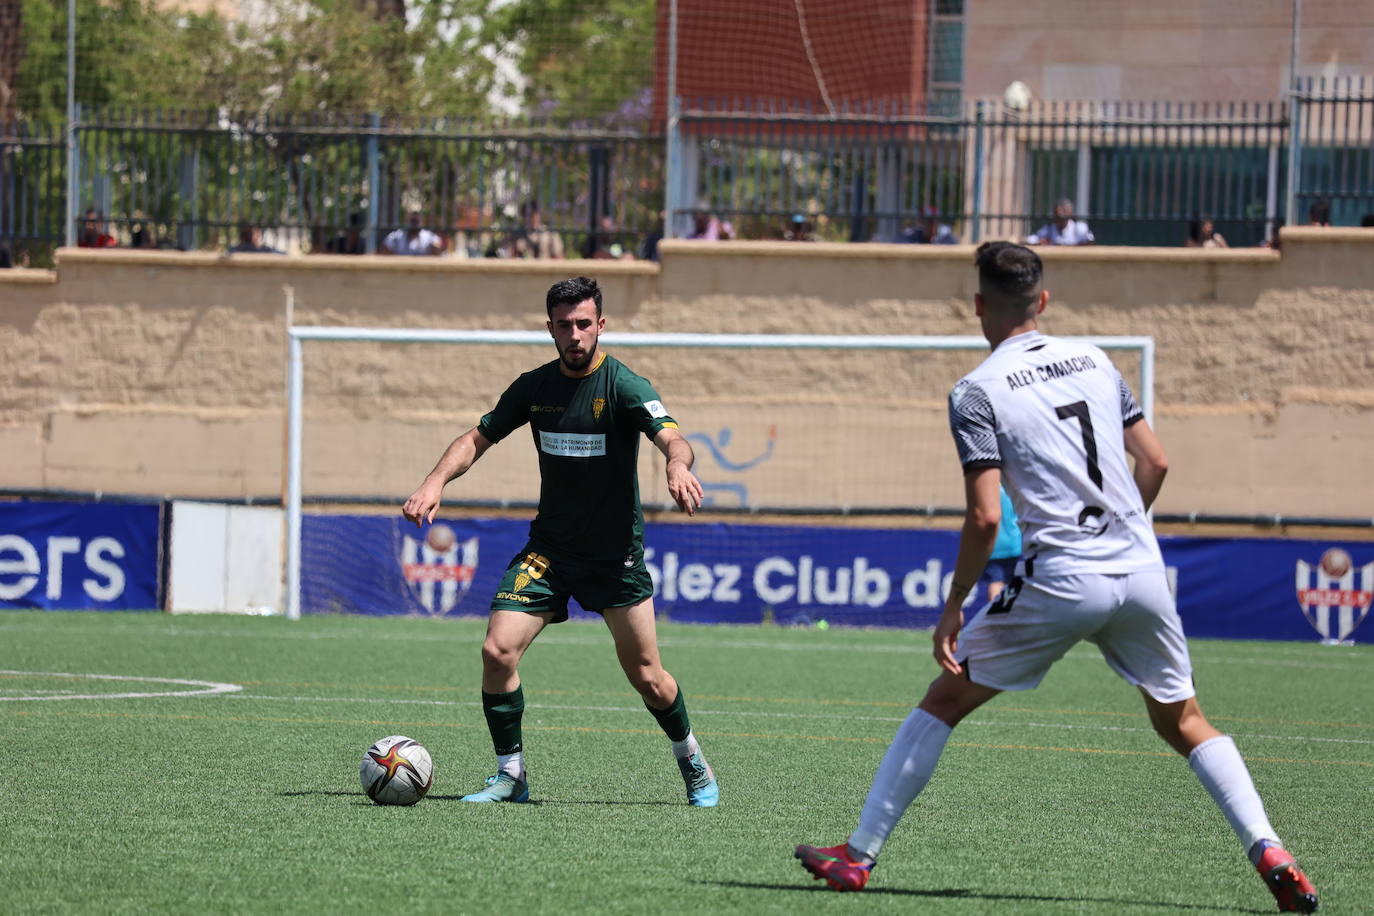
(1054, 421)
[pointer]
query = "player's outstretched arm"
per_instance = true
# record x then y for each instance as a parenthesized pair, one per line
(1151, 464)
(683, 485)
(457, 458)
(981, 518)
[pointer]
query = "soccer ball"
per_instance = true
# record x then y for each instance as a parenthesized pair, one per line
(396, 771)
(441, 537)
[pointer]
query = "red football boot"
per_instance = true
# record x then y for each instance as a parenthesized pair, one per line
(1285, 880)
(834, 863)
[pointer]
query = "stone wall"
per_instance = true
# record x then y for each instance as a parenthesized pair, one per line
(164, 373)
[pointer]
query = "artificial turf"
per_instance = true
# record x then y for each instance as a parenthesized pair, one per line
(1060, 800)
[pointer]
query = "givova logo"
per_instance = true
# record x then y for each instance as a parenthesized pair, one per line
(1335, 595)
(438, 570)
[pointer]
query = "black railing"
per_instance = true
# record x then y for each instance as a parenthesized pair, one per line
(1138, 172)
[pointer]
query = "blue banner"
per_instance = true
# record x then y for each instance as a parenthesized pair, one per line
(718, 572)
(80, 555)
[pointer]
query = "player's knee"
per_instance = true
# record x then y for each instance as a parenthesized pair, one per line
(649, 680)
(496, 657)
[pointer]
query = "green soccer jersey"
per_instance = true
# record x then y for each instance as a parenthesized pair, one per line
(586, 431)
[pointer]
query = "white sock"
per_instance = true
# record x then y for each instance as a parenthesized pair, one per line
(906, 768)
(1222, 772)
(686, 747)
(514, 764)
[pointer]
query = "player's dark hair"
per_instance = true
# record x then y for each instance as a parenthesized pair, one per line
(1008, 276)
(571, 292)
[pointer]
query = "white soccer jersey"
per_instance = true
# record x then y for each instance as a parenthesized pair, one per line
(1050, 413)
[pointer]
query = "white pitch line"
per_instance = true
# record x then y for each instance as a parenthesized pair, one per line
(763, 714)
(208, 688)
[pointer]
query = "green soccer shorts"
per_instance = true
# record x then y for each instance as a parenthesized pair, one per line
(539, 580)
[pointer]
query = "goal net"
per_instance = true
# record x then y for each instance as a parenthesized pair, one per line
(782, 425)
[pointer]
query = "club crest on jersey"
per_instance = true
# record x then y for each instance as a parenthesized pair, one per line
(598, 405)
(1334, 594)
(532, 567)
(438, 570)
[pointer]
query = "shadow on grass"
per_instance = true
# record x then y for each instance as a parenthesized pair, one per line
(538, 802)
(960, 893)
(358, 795)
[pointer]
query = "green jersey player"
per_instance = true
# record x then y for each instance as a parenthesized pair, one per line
(586, 412)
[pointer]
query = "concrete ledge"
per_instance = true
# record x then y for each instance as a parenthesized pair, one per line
(1326, 234)
(28, 276)
(361, 262)
(962, 254)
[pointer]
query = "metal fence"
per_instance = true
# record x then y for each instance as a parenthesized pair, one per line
(1138, 172)
(192, 180)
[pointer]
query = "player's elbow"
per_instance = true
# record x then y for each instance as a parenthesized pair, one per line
(983, 522)
(1156, 464)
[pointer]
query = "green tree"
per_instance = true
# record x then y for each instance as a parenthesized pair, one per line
(295, 56)
(579, 58)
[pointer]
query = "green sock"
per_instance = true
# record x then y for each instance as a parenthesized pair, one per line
(503, 712)
(673, 720)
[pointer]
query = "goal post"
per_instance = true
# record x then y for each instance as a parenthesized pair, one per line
(760, 344)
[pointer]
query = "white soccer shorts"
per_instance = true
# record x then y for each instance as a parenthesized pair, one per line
(1130, 617)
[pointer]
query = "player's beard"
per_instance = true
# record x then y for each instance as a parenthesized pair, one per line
(579, 363)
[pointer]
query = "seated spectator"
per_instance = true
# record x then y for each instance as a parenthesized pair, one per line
(649, 250)
(351, 240)
(798, 230)
(1064, 230)
(1319, 214)
(250, 241)
(605, 244)
(93, 234)
(535, 240)
(930, 231)
(412, 239)
(141, 233)
(1275, 239)
(708, 227)
(1202, 234)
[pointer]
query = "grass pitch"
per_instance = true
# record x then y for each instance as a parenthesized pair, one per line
(1060, 800)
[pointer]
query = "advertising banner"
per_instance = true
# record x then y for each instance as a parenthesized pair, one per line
(79, 555)
(718, 572)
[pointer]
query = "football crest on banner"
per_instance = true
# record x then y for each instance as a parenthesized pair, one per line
(439, 569)
(1335, 594)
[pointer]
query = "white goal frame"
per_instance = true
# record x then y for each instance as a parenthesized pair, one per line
(297, 335)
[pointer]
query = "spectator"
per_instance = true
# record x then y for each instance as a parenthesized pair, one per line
(1275, 239)
(141, 234)
(351, 240)
(930, 231)
(708, 227)
(1202, 234)
(536, 240)
(1063, 230)
(649, 250)
(93, 234)
(605, 244)
(1319, 214)
(250, 241)
(798, 230)
(413, 239)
